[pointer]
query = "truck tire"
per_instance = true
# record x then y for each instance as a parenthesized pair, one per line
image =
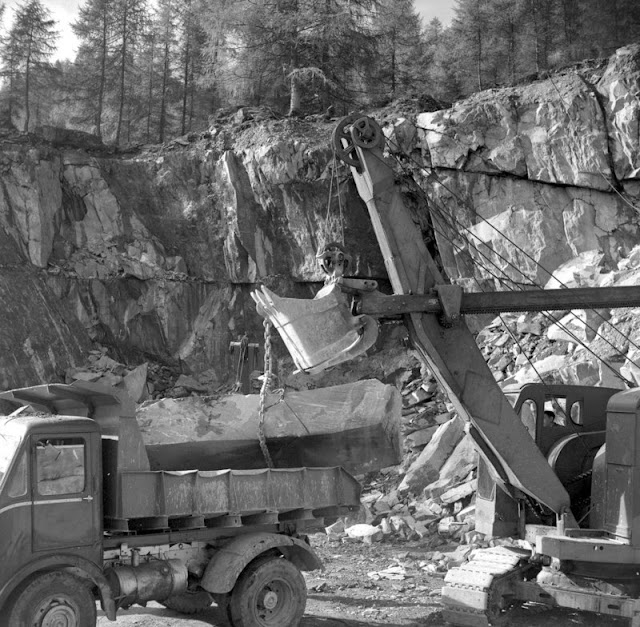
(189, 602)
(54, 598)
(270, 592)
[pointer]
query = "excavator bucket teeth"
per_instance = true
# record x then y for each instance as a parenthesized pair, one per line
(321, 332)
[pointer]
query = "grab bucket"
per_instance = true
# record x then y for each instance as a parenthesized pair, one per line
(318, 333)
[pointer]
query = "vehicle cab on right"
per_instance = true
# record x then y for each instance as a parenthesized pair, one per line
(568, 423)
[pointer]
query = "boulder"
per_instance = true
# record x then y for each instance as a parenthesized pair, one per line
(354, 425)
(135, 382)
(421, 438)
(463, 459)
(365, 533)
(426, 468)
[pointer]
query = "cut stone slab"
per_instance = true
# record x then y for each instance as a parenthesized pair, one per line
(420, 438)
(135, 383)
(459, 492)
(426, 468)
(438, 487)
(356, 426)
(462, 460)
(191, 384)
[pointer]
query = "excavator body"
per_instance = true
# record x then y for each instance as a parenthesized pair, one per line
(572, 554)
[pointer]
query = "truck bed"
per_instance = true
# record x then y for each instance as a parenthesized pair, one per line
(163, 500)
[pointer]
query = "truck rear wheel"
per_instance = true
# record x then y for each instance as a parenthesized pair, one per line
(53, 599)
(270, 592)
(189, 602)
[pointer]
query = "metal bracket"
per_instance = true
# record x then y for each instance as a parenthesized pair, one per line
(355, 286)
(450, 298)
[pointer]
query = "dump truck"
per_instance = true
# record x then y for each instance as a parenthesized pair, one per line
(573, 554)
(84, 519)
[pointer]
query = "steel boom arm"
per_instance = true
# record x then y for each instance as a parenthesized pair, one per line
(451, 352)
(377, 304)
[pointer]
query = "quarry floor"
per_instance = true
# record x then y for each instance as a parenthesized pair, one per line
(354, 591)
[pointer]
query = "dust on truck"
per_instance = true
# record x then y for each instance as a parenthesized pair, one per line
(84, 519)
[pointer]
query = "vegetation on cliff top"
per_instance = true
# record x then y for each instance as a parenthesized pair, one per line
(149, 70)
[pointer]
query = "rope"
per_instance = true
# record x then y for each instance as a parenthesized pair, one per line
(445, 218)
(326, 219)
(266, 385)
(334, 177)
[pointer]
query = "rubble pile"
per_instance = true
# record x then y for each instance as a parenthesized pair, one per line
(430, 497)
(144, 382)
(585, 347)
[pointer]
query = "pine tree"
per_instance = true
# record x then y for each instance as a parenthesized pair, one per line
(190, 58)
(542, 19)
(29, 46)
(505, 39)
(94, 29)
(470, 26)
(166, 26)
(131, 16)
(307, 51)
(399, 47)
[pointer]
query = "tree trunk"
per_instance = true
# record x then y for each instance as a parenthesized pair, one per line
(150, 92)
(479, 60)
(296, 95)
(103, 75)
(185, 85)
(123, 66)
(512, 50)
(163, 94)
(393, 64)
(27, 80)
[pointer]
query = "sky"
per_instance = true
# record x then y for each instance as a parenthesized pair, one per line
(65, 12)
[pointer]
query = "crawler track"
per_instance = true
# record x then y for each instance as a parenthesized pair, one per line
(476, 593)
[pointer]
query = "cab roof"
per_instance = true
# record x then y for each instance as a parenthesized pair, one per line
(23, 423)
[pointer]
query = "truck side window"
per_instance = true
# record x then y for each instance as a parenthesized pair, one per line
(60, 465)
(18, 485)
(576, 413)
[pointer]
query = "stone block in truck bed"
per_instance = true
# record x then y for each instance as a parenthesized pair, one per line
(355, 425)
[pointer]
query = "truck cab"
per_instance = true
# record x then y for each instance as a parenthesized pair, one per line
(50, 495)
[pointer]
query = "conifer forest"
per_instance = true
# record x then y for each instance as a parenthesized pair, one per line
(149, 70)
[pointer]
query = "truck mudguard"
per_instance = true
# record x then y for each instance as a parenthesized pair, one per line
(80, 568)
(226, 565)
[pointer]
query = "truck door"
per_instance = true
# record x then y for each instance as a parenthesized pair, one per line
(67, 506)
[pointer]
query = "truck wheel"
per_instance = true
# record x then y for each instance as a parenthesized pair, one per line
(53, 599)
(270, 592)
(189, 602)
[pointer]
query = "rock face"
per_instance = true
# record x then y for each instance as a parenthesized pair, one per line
(153, 252)
(554, 165)
(155, 255)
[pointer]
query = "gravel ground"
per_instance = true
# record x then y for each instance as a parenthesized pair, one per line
(353, 592)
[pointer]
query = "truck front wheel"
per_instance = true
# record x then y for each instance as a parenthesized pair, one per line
(53, 599)
(270, 592)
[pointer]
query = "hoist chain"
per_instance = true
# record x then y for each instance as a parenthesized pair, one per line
(266, 387)
(242, 356)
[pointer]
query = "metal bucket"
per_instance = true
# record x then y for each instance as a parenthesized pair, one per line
(318, 333)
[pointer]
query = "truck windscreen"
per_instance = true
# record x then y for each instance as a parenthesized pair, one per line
(9, 443)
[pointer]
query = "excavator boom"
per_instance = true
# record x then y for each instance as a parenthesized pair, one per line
(450, 352)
